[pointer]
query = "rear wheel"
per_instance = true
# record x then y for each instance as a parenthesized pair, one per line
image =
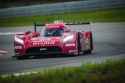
(91, 42)
(78, 43)
(91, 46)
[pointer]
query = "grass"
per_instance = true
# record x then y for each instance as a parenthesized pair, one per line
(107, 72)
(107, 15)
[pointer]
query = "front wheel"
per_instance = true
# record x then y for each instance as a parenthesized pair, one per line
(19, 57)
(87, 52)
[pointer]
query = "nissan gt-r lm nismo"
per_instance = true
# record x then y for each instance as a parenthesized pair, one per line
(54, 38)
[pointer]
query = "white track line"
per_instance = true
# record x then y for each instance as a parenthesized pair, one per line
(9, 33)
(3, 52)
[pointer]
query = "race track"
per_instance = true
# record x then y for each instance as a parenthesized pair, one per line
(109, 41)
(47, 9)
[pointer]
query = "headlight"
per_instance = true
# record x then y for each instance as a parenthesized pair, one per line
(68, 38)
(19, 40)
(18, 47)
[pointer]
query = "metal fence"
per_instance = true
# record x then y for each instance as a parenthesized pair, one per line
(46, 9)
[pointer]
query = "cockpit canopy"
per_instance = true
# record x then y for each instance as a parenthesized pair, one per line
(53, 32)
(55, 29)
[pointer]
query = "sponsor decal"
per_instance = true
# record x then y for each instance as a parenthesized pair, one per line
(42, 43)
(72, 44)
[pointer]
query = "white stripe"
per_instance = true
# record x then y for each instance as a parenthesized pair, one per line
(68, 38)
(19, 74)
(3, 52)
(9, 33)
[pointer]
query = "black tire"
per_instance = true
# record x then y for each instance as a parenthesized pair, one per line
(19, 57)
(91, 46)
(91, 42)
(78, 44)
(87, 52)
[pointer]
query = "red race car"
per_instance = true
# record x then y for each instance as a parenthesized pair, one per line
(52, 39)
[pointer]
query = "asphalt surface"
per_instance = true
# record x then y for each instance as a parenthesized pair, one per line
(46, 9)
(109, 42)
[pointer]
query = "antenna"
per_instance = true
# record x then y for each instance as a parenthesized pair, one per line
(35, 27)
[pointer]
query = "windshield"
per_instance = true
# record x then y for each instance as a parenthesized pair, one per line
(53, 32)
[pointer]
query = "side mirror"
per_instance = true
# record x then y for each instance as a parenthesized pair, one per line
(67, 30)
(35, 34)
(28, 32)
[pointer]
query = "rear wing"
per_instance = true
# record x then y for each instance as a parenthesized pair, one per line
(37, 24)
(80, 23)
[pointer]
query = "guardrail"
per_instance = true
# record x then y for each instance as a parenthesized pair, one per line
(47, 9)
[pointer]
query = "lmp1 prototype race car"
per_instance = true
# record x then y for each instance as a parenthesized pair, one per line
(53, 39)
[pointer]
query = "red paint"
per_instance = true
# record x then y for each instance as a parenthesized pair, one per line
(33, 39)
